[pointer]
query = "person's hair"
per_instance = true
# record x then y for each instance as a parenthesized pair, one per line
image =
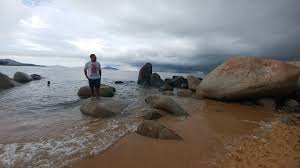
(92, 55)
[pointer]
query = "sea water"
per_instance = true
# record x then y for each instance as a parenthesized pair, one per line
(41, 125)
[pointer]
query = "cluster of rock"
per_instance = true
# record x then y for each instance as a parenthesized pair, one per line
(159, 105)
(186, 86)
(18, 78)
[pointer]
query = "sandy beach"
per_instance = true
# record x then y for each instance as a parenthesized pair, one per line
(215, 135)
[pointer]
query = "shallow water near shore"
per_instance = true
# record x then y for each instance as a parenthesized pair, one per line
(41, 126)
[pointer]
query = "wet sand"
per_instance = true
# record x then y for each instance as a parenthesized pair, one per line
(278, 148)
(212, 132)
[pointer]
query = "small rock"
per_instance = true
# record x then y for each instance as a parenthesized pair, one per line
(166, 87)
(36, 77)
(119, 82)
(287, 109)
(179, 82)
(289, 120)
(168, 81)
(291, 103)
(154, 129)
(184, 93)
(193, 82)
(167, 104)
(168, 93)
(152, 115)
(267, 103)
(156, 81)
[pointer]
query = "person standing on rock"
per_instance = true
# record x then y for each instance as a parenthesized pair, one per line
(92, 71)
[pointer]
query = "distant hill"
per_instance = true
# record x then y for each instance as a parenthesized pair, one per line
(110, 68)
(9, 62)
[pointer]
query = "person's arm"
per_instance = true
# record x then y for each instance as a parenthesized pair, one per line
(100, 72)
(85, 71)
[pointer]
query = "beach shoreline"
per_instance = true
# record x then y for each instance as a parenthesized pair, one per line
(213, 131)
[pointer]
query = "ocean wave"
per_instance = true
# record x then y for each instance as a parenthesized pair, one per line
(65, 151)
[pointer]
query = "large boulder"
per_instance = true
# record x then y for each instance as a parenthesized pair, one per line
(105, 107)
(36, 77)
(248, 77)
(297, 63)
(105, 91)
(22, 77)
(154, 129)
(193, 82)
(167, 104)
(6, 82)
(155, 80)
(145, 74)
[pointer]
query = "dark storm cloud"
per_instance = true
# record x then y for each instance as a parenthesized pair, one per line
(172, 34)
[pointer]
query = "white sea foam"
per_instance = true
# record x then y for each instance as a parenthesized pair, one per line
(61, 152)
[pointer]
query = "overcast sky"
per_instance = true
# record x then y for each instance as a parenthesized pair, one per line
(188, 34)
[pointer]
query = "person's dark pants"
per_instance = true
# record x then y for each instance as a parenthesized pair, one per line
(94, 83)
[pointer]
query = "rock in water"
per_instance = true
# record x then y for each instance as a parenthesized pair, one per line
(154, 129)
(167, 104)
(193, 82)
(105, 91)
(6, 82)
(145, 74)
(156, 81)
(248, 77)
(22, 77)
(105, 107)
(119, 82)
(36, 77)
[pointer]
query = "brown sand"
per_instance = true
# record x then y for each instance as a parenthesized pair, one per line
(208, 134)
(279, 148)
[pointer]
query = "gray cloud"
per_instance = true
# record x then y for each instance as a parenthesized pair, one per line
(188, 34)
